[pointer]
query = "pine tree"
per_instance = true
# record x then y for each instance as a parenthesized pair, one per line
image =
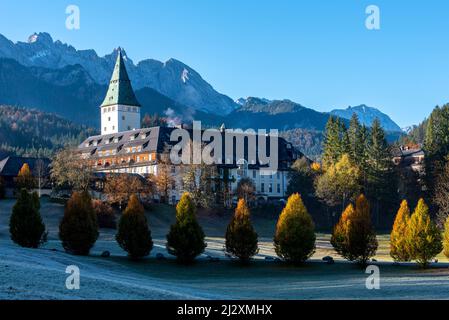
(26, 226)
(446, 238)
(424, 240)
(241, 238)
(78, 230)
(186, 237)
(354, 237)
(331, 143)
(398, 237)
(381, 179)
(294, 240)
(133, 234)
(25, 179)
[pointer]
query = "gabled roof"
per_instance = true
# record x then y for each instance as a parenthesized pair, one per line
(120, 90)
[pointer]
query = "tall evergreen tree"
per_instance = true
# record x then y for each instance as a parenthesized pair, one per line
(331, 143)
(26, 226)
(186, 237)
(436, 147)
(381, 179)
(294, 239)
(133, 234)
(241, 238)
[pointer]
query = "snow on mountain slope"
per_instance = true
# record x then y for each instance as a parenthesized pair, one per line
(367, 115)
(172, 78)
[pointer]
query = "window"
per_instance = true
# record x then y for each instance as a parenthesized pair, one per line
(254, 174)
(105, 129)
(270, 188)
(109, 109)
(123, 117)
(278, 188)
(278, 175)
(113, 127)
(109, 118)
(129, 128)
(113, 108)
(242, 170)
(262, 187)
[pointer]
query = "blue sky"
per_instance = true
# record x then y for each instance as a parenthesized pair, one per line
(317, 53)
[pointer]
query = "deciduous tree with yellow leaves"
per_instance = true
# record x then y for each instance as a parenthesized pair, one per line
(294, 240)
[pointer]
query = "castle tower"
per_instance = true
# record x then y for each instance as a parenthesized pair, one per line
(120, 110)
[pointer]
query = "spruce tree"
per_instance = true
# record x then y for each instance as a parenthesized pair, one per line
(241, 238)
(186, 237)
(331, 143)
(424, 240)
(381, 179)
(133, 234)
(78, 229)
(26, 226)
(398, 237)
(294, 240)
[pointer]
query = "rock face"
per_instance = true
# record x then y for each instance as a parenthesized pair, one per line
(367, 115)
(173, 78)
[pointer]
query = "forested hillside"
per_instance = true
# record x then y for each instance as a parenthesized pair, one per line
(30, 132)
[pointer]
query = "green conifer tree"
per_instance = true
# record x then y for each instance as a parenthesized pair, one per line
(241, 238)
(26, 226)
(133, 234)
(186, 237)
(78, 230)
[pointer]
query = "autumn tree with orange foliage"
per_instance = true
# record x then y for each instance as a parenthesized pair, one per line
(25, 179)
(398, 237)
(354, 237)
(241, 238)
(294, 240)
(119, 188)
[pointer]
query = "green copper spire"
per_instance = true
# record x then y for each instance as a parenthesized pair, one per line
(120, 90)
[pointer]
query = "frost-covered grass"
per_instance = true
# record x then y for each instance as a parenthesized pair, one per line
(40, 274)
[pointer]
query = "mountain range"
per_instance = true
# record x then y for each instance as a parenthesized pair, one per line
(54, 77)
